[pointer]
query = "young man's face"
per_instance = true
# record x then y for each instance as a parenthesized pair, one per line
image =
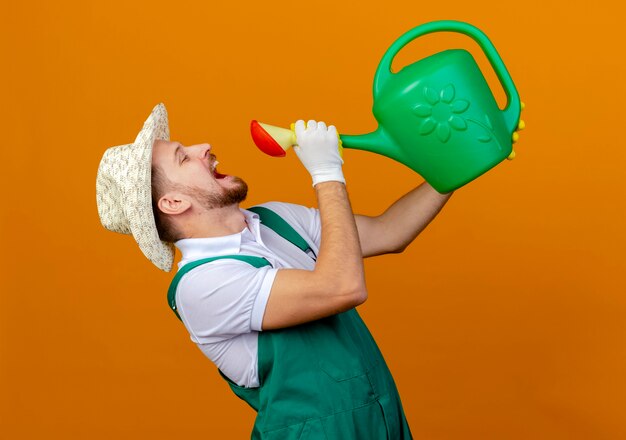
(192, 172)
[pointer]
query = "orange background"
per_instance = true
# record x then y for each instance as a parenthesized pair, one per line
(505, 319)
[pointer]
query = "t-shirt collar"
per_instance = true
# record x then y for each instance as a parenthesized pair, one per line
(197, 248)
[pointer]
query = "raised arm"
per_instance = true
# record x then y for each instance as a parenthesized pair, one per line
(337, 283)
(401, 223)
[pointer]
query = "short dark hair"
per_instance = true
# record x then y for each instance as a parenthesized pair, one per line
(165, 227)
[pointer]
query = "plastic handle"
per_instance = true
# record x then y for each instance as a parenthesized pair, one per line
(384, 73)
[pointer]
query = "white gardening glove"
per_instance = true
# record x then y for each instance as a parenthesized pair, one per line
(318, 150)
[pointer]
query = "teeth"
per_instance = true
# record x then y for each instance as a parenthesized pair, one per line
(214, 165)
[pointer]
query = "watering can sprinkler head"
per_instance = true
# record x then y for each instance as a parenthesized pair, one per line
(275, 141)
(272, 140)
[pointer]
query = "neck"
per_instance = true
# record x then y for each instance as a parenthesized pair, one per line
(215, 222)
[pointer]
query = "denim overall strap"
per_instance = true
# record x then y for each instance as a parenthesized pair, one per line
(171, 292)
(276, 223)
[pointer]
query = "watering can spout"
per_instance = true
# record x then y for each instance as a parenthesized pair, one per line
(375, 142)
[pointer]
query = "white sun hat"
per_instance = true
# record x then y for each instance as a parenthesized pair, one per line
(124, 190)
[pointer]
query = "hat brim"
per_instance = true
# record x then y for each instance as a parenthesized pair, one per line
(139, 191)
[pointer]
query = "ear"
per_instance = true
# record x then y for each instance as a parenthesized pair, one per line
(173, 203)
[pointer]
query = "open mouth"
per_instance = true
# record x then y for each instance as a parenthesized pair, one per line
(216, 174)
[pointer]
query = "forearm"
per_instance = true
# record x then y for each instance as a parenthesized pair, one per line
(340, 259)
(409, 215)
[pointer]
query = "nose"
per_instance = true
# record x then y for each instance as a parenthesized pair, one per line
(202, 150)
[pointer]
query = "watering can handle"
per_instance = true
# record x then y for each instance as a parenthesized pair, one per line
(383, 72)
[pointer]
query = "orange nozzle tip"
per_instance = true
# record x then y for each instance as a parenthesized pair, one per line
(264, 141)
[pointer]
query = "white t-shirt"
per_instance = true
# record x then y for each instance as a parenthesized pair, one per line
(222, 302)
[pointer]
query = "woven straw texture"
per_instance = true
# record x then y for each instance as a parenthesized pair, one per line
(124, 190)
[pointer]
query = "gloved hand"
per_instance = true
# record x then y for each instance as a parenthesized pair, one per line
(520, 126)
(318, 150)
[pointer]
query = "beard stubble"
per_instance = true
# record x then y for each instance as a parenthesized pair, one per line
(234, 194)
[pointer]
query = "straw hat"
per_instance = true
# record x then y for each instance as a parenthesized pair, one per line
(124, 190)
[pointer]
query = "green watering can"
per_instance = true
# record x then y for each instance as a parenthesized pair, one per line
(437, 116)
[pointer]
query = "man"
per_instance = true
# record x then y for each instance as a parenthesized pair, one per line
(278, 320)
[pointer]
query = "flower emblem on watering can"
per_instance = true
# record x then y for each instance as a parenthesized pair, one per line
(442, 112)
